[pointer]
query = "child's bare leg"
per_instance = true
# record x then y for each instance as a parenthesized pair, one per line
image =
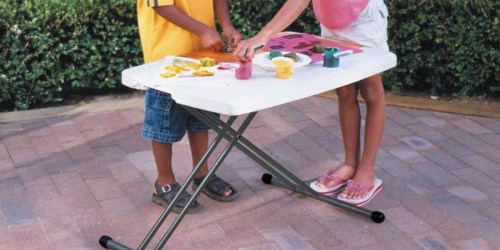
(162, 153)
(198, 141)
(350, 122)
(372, 92)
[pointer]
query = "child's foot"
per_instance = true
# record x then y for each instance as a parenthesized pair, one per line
(333, 181)
(360, 193)
(217, 189)
(164, 195)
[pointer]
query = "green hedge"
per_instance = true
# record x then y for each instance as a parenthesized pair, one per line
(52, 50)
(451, 43)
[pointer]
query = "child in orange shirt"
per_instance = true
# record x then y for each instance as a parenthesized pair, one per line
(176, 27)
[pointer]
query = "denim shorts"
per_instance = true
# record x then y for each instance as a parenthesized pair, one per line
(165, 121)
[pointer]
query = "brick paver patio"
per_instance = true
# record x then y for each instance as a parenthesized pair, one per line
(67, 180)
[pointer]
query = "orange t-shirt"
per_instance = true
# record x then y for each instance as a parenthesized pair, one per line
(160, 38)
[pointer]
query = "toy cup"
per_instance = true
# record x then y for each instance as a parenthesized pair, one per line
(244, 71)
(329, 58)
(284, 67)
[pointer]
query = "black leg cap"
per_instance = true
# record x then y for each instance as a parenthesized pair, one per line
(377, 217)
(103, 241)
(266, 178)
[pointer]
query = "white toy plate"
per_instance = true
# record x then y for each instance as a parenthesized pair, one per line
(262, 60)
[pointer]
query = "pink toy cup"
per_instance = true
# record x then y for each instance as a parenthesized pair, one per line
(244, 72)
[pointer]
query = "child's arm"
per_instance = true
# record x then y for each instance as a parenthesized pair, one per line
(209, 36)
(222, 13)
(285, 16)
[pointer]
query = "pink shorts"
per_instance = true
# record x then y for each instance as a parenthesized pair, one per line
(369, 30)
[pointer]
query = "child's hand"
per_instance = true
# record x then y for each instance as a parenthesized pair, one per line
(232, 36)
(211, 40)
(246, 48)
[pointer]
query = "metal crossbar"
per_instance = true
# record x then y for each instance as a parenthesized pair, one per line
(279, 176)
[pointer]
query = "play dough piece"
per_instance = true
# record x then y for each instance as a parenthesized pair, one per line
(274, 54)
(207, 62)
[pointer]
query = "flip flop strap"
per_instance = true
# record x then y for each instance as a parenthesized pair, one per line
(329, 176)
(351, 186)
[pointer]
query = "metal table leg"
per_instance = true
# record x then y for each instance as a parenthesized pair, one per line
(284, 178)
(107, 242)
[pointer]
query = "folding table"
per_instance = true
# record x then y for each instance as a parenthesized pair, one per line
(242, 99)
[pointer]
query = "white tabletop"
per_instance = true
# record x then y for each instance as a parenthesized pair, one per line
(224, 94)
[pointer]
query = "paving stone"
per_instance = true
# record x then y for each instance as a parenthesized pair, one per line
(459, 210)
(488, 230)
(471, 127)
(286, 239)
(405, 154)
(113, 121)
(488, 152)
(29, 236)
(466, 193)
(427, 132)
(454, 148)
(417, 112)
(104, 188)
(492, 124)
(56, 162)
(474, 244)
(18, 211)
(16, 141)
(300, 141)
(242, 233)
(34, 176)
(46, 144)
(12, 189)
(462, 137)
(87, 121)
(437, 175)
(407, 222)
(417, 143)
(4, 154)
(24, 157)
(37, 128)
(440, 173)
(98, 138)
(69, 238)
(435, 122)
(345, 228)
(433, 241)
(78, 150)
(482, 164)
(476, 178)
(492, 139)
(444, 160)
(398, 115)
(394, 129)
(66, 132)
(311, 129)
(449, 227)
(7, 169)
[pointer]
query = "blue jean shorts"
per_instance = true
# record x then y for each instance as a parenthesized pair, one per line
(166, 121)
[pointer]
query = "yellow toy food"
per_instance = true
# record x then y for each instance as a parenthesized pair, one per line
(203, 73)
(207, 61)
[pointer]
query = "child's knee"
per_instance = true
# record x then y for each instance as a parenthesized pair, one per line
(373, 95)
(347, 93)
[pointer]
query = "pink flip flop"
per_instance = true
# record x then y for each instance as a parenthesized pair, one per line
(372, 191)
(341, 182)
